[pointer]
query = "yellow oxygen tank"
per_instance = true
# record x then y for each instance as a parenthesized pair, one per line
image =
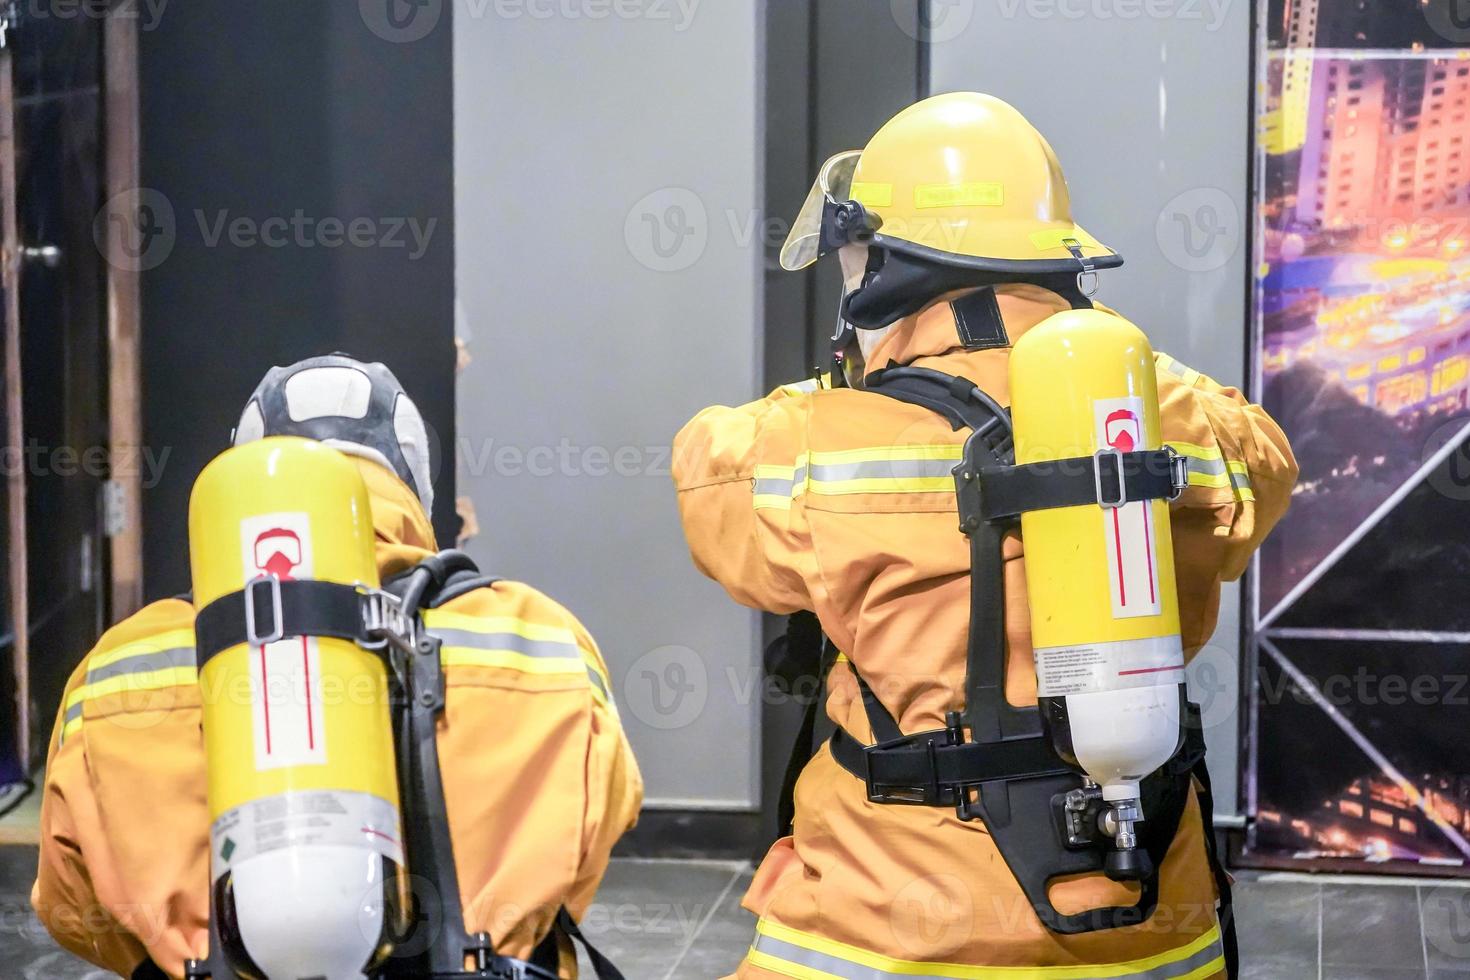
(307, 864)
(1104, 610)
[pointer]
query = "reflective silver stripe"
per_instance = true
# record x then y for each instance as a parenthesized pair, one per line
(781, 487)
(597, 682)
(803, 387)
(1178, 369)
(880, 469)
(1208, 467)
(144, 663)
(74, 713)
(1240, 480)
(836, 966)
(513, 642)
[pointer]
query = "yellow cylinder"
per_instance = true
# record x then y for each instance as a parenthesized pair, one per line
(307, 852)
(1100, 580)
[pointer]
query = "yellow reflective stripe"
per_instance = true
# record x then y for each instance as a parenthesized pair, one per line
(71, 723)
(1208, 467)
(870, 469)
(834, 960)
(1240, 479)
(152, 680)
(516, 644)
(448, 619)
(981, 194)
(870, 454)
(471, 657)
(1180, 370)
(872, 194)
(806, 387)
(884, 484)
(169, 640)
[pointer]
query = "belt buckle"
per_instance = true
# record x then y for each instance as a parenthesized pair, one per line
(1178, 472)
(1104, 501)
(253, 636)
(385, 620)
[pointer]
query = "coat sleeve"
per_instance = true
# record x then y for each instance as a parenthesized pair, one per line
(64, 896)
(1241, 474)
(614, 786)
(734, 472)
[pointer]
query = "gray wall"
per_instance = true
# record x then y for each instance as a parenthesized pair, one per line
(1145, 102)
(608, 277)
(277, 112)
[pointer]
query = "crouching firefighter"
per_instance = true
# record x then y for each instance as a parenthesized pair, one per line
(344, 755)
(1013, 523)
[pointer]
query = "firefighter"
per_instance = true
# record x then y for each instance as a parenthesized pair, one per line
(539, 780)
(955, 237)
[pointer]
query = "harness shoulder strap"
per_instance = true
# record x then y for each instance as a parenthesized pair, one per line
(428, 585)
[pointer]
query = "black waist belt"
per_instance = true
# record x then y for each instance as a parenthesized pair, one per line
(934, 768)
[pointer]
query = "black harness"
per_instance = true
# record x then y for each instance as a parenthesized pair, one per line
(435, 945)
(1007, 772)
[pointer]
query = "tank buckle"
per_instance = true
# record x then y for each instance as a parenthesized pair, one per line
(1107, 500)
(384, 621)
(1178, 472)
(1081, 812)
(272, 585)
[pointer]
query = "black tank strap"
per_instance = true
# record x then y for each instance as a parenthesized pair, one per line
(994, 762)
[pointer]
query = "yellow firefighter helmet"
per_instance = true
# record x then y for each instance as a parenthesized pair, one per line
(960, 180)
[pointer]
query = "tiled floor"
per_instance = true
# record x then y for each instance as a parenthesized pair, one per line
(667, 920)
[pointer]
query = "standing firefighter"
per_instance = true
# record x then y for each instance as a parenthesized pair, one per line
(161, 809)
(947, 828)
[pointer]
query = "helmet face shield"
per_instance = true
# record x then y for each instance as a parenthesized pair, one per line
(805, 244)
